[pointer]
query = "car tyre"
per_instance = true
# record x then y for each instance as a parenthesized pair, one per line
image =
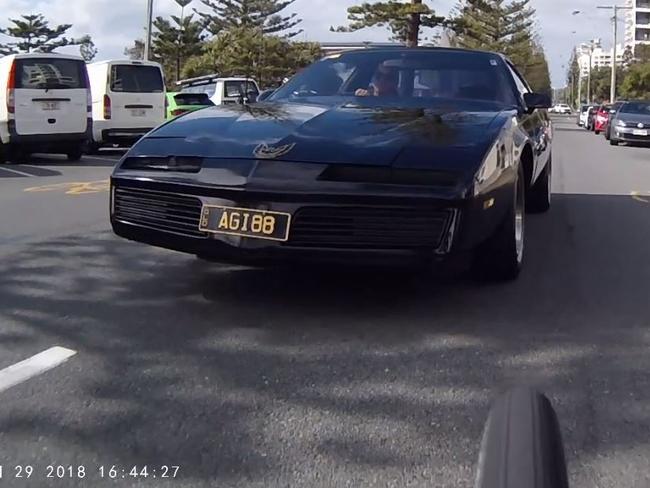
(538, 199)
(522, 444)
(613, 142)
(606, 133)
(92, 148)
(75, 155)
(500, 258)
(597, 132)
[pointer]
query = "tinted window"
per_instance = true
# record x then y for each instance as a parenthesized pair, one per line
(636, 108)
(426, 74)
(193, 99)
(207, 88)
(236, 88)
(50, 73)
(136, 79)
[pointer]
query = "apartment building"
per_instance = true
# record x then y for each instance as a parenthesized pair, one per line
(637, 22)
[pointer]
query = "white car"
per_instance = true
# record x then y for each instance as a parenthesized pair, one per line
(44, 105)
(128, 100)
(561, 108)
(222, 91)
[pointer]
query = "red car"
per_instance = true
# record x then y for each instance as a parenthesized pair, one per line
(600, 122)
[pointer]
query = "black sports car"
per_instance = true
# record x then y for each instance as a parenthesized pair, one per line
(374, 156)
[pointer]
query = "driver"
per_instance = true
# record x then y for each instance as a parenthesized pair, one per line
(384, 84)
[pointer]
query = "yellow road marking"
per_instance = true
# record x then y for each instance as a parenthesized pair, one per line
(73, 187)
(640, 197)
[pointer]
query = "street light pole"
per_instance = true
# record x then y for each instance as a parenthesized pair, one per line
(615, 8)
(149, 24)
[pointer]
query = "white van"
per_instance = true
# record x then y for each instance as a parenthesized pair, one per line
(222, 91)
(45, 106)
(128, 100)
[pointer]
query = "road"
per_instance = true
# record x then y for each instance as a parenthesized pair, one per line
(247, 377)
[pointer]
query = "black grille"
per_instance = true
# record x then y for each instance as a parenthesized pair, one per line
(157, 210)
(368, 227)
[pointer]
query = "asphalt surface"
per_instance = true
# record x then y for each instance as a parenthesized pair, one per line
(245, 377)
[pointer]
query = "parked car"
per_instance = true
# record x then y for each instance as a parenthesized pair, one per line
(601, 118)
(561, 108)
(351, 161)
(631, 123)
(44, 105)
(181, 103)
(613, 110)
(591, 118)
(583, 115)
(222, 91)
(128, 101)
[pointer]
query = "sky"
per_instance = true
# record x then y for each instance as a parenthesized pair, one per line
(114, 24)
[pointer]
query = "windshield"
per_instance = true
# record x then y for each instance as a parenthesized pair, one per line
(51, 73)
(415, 77)
(642, 108)
(129, 78)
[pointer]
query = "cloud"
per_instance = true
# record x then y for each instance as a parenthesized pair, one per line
(114, 24)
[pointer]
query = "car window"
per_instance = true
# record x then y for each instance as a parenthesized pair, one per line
(129, 78)
(424, 75)
(192, 99)
(237, 88)
(50, 73)
(636, 108)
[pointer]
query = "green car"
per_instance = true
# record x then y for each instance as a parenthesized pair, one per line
(180, 103)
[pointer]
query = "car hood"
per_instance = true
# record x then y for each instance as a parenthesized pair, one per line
(347, 133)
(634, 119)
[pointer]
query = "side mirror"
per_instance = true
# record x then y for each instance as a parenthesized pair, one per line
(537, 100)
(264, 95)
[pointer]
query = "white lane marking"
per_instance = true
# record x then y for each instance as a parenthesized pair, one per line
(42, 362)
(11, 170)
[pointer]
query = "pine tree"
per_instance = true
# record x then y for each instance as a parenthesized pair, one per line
(261, 15)
(506, 28)
(136, 51)
(405, 20)
(628, 55)
(33, 34)
(243, 52)
(87, 49)
(176, 41)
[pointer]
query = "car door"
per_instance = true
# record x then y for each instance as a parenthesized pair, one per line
(137, 92)
(536, 124)
(51, 96)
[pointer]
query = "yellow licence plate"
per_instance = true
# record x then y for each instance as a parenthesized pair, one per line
(245, 222)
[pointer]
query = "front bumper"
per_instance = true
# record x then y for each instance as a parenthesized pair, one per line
(122, 136)
(49, 142)
(626, 134)
(397, 230)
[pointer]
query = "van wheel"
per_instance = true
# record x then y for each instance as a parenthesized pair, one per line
(75, 155)
(92, 148)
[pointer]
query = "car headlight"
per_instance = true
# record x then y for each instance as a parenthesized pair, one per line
(491, 168)
(620, 123)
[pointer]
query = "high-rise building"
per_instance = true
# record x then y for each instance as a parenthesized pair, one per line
(637, 22)
(600, 58)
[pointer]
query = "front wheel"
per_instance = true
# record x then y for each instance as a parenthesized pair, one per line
(613, 141)
(597, 132)
(522, 444)
(538, 199)
(501, 257)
